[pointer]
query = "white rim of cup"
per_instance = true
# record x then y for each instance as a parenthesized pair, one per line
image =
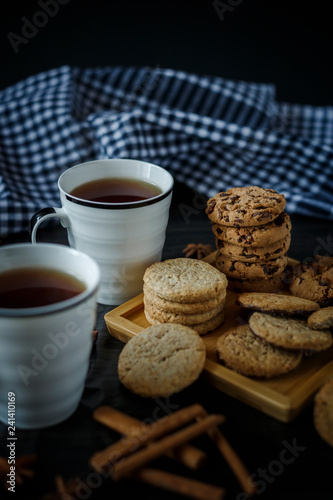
(113, 206)
(57, 306)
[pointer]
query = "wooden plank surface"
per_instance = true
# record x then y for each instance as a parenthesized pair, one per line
(281, 397)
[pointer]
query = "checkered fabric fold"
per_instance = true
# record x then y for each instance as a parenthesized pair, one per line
(210, 133)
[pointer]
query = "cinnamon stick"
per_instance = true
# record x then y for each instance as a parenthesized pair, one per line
(179, 484)
(154, 450)
(234, 461)
(147, 433)
(188, 455)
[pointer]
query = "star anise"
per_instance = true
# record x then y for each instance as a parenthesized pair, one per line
(198, 250)
(23, 468)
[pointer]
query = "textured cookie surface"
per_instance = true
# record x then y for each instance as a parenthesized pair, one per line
(185, 319)
(248, 270)
(183, 307)
(276, 304)
(245, 206)
(321, 319)
(289, 333)
(313, 280)
(254, 236)
(273, 284)
(323, 412)
(201, 328)
(161, 360)
(245, 353)
(254, 254)
(184, 280)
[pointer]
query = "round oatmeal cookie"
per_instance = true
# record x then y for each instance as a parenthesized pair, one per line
(323, 412)
(276, 303)
(245, 206)
(322, 319)
(184, 280)
(273, 284)
(254, 236)
(245, 353)
(289, 333)
(255, 254)
(249, 270)
(161, 360)
(201, 328)
(185, 319)
(313, 280)
(183, 307)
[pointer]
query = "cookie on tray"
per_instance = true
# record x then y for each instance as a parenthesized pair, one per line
(254, 254)
(321, 319)
(164, 316)
(276, 303)
(184, 280)
(323, 412)
(249, 270)
(173, 306)
(201, 328)
(161, 360)
(245, 353)
(313, 280)
(245, 206)
(254, 236)
(289, 333)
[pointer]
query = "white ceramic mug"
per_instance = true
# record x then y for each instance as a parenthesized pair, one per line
(45, 350)
(123, 238)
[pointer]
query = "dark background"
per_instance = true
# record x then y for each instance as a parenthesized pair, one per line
(288, 43)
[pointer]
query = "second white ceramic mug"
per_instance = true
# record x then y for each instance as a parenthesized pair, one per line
(123, 238)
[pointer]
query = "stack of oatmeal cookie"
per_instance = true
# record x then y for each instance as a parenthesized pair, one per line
(252, 233)
(185, 291)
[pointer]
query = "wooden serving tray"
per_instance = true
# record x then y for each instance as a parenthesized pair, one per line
(281, 397)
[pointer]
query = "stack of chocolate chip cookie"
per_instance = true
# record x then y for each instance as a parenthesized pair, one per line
(185, 291)
(252, 233)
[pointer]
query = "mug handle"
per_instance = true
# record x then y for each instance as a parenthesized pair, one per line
(42, 215)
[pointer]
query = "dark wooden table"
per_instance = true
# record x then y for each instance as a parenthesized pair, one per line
(259, 440)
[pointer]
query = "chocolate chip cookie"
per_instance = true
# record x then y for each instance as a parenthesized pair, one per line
(313, 280)
(254, 254)
(254, 236)
(248, 270)
(245, 206)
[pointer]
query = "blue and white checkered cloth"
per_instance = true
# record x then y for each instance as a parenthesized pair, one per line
(210, 133)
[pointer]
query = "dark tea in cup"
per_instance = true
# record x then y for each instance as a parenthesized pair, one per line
(117, 190)
(36, 287)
